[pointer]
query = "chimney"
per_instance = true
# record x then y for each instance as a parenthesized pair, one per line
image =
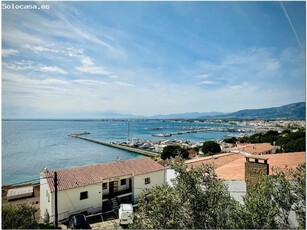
(255, 168)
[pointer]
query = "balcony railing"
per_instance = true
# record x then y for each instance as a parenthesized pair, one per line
(115, 194)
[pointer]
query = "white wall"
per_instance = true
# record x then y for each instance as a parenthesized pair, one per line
(69, 200)
(45, 204)
(138, 182)
(120, 187)
(237, 189)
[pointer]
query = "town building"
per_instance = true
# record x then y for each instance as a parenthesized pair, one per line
(256, 149)
(97, 188)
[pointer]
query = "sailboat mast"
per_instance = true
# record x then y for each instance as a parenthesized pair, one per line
(128, 136)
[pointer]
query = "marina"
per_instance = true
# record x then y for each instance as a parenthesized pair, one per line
(118, 146)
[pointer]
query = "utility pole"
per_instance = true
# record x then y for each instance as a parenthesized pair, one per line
(56, 198)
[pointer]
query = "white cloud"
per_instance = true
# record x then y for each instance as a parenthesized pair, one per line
(254, 66)
(25, 65)
(54, 69)
(86, 61)
(93, 70)
(9, 52)
(39, 49)
(88, 66)
(203, 76)
(90, 82)
(207, 82)
(121, 83)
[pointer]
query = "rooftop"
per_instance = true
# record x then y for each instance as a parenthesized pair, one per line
(92, 174)
(258, 148)
(231, 166)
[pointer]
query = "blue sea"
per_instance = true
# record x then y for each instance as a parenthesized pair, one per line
(30, 145)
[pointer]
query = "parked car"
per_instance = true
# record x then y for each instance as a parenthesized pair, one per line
(79, 222)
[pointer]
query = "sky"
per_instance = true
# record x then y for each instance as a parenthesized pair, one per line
(83, 59)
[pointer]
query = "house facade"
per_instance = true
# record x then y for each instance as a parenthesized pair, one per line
(97, 188)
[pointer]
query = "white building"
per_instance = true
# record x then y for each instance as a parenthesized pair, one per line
(99, 187)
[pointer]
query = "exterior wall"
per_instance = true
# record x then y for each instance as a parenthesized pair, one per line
(170, 175)
(237, 189)
(69, 200)
(45, 198)
(138, 182)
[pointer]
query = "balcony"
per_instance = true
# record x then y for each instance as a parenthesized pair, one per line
(116, 194)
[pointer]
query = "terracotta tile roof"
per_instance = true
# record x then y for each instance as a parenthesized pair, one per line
(258, 148)
(218, 160)
(232, 166)
(192, 153)
(252, 148)
(93, 174)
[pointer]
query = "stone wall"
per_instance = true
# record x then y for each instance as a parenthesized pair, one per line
(255, 168)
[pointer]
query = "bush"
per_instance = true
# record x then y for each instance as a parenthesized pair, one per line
(231, 140)
(171, 151)
(196, 201)
(16, 217)
(211, 147)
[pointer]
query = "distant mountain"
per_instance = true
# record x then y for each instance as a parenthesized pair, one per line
(120, 116)
(193, 115)
(291, 111)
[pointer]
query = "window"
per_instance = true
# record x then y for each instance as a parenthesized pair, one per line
(122, 181)
(83, 195)
(104, 186)
(147, 180)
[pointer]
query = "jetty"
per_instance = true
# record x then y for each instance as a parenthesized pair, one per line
(118, 146)
(78, 134)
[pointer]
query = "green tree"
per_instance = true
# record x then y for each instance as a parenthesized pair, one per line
(171, 151)
(297, 145)
(18, 217)
(197, 199)
(298, 177)
(211, 147)
(231, 140)
(184, 153)
(258, 211)
(269, 204)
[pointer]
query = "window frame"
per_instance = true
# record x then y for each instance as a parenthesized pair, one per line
(104, 186)
(147, 180)
(123, 180)
(84, 195)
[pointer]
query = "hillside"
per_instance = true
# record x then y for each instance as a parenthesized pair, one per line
(291, 111)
